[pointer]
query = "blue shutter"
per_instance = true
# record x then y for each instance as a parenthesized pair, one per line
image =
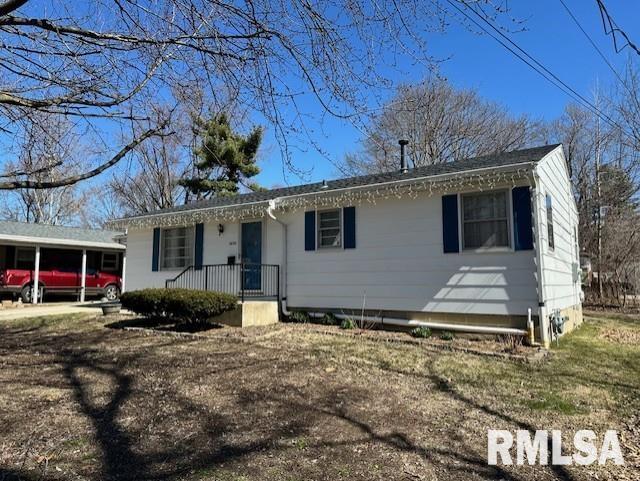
(522, 227)
(310, 230)
(450, 223)
(156, 249)
(349, 221)
(199, 246)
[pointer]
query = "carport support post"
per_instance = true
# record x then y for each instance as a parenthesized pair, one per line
(83, 278)
(124, 272)
(36, 278)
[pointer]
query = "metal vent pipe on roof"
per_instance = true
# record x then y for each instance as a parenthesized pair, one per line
(403, 160)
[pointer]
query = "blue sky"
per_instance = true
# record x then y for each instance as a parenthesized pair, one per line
(479, 62)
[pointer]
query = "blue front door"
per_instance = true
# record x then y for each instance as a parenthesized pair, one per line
(252, 255)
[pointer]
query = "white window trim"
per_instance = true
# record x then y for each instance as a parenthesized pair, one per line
(550, 248)
(161, 253)
(115, 268)
(341, 227)
(486, 250)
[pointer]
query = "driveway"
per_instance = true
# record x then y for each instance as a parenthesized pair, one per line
(50, 309)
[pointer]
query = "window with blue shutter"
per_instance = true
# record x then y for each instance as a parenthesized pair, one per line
(199, 247)
(310, 230)
(155, 253)
(450, 237)
(349, 220)
(522, 225)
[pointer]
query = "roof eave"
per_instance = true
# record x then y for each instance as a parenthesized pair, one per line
(124, 222)
(72, 243)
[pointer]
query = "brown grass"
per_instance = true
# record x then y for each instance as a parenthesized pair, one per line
(80, 401)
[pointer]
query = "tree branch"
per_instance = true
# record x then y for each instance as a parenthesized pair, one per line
(10, 6)
(30, 184)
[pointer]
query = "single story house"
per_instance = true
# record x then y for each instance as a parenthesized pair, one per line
(487, 244)
(60, 260)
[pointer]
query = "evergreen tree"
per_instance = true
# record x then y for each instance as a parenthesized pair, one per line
(226, 160)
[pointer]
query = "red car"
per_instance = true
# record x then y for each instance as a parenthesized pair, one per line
(59, 281)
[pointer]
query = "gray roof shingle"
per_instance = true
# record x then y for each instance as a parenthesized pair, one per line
(497, 160)
(57, 232)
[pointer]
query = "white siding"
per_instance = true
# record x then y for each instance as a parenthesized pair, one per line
(561, 287)
(139, 252)
(399, 264)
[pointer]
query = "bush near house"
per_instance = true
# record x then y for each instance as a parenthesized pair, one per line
(178, 305)
(299, 316)
(348, 324)
(421, 332)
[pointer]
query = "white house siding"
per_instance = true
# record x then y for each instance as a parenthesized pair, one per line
(139, 253)
(561, 285)
(399, 265)
(217, 247)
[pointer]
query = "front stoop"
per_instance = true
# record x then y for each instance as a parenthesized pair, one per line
(251, 313)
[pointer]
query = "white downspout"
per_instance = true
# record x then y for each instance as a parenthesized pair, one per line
(283, 290)
(539, 246)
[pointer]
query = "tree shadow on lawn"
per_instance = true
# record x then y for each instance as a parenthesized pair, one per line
(122, 457)
(444, 386)
(225, 439)
(163, 324)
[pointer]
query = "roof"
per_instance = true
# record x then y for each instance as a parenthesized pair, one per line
(22, 232)
(513, 158)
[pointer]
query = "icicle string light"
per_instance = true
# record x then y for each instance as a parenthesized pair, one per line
(368, 194)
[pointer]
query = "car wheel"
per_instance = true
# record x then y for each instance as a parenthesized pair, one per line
(111, 292)
(26, 293)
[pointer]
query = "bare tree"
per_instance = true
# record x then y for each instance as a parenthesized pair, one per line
(150, 181)
(103, 61)
(604, 164)
(442, 124)
(49, 149)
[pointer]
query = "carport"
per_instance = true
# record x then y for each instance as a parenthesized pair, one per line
(30, 246)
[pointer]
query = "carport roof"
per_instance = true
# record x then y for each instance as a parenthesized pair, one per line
(55, 235)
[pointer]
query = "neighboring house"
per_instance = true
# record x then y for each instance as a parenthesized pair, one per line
(61, 260)
(476, 245)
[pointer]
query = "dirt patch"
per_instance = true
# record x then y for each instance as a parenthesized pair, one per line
(478, 345)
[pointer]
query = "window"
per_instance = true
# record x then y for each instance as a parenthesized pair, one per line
(485, 220)
(550, 223)
(329, 228)
(25, 258)
(177, 247)
(109, 261)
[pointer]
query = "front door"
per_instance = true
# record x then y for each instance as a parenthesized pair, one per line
(252, 255)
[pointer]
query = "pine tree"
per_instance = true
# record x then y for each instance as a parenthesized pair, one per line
(226, 160)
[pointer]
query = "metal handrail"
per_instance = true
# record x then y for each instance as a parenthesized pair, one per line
(244, 279)
(166, 283)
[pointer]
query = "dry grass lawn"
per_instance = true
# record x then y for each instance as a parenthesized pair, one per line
(81, 401)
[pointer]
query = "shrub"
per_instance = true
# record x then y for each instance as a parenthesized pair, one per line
(421, 331)
(348, 323)
(299, 316)
(329, 319)
(178, 305)
(446, 336)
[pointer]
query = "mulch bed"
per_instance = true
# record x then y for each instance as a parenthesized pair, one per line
(477, 345)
